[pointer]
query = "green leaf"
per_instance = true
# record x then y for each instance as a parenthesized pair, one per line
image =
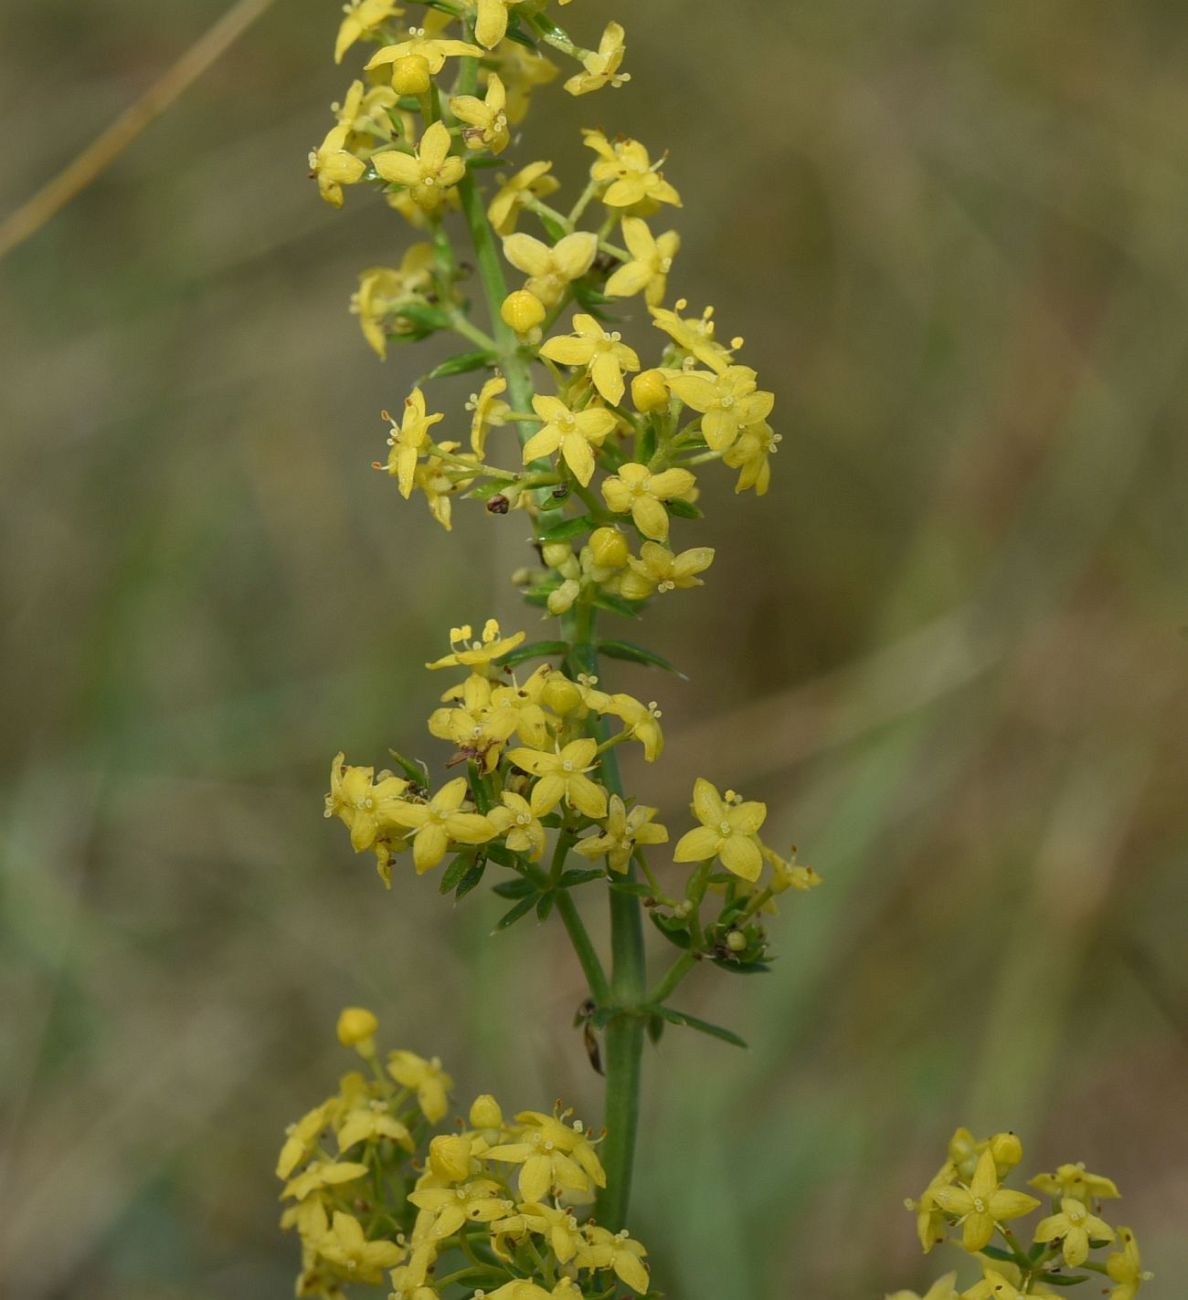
(503, 855)
(1058, 1279)
(454, 872)
(645, 444)
(702, 1026)
(423, 316)
(521, 909)
(518, 888)
(655, 1028)
(470, 879)
(633, 887)
(544, 905)
(684, 509)
(579, 876)
(740, 967)
(516, 33)
(637, 654)
(617, 605)
(417, 772)
(533, 650)
(673, 928)
(462, 364)
(485, 491)
(555, 229)
(566, 529)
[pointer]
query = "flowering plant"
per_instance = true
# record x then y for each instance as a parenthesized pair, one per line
(600, 453)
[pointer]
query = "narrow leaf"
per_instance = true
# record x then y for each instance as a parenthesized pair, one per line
(517, 888)
(454, 872)
(534, 650)
(702, 1026)
(470, 879)
(461, 364)
(579, 876)
(685, 509)
(522, 908)
(566, 529)
(617, 605)
(544, 905)
(638, 654)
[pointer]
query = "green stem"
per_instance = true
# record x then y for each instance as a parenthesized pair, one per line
(677, 972)
(584, 947)
(625, 1032)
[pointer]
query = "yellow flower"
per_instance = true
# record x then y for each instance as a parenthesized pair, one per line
(368, 115)
(347, 1247)
(642, 720)
(1073, 1180)
(636, 489)
(516, 819)
(993, 1286)
(370, 1122)
(552, 1155)
(630, 176)
(790, 874)
(486, 119)
(300, 1140)
(658, 569)
(475, 1202)
(616, 1251)
(362, 17)
(1074, 1227)
(574, 432)
(383, 290)
(562, 776)
(728, 402)
(602, 352)
(440, 822)
(624, 830)
(728, 831)
(334, 166)
(429, 174)
(531, 181)
(1126, 1267)
(756, 442)
(601, 66)
(551, 270)
(651, 261)
(430, 1082)
(437, 486)
(433, 49)
(931, 1224)
(556, 1223)
(518, 1289)
(327, 1173)
(362, 806)
(477, 729)
(488, 412)
(467, 653)
(982, 1205)
(694, 335)
(942, 1289)
(409, 440)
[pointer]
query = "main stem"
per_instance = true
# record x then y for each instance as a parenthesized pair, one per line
(625, 1032)
(628, 980)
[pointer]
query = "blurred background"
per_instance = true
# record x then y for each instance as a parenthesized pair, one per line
(948, 648)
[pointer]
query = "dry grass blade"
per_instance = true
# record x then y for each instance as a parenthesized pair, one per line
(28, 219)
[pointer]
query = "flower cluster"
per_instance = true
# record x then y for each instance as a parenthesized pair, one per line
(966, 1200)
(496, 1208)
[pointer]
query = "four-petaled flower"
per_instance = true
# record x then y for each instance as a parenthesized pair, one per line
(630, 176)
(440, 822)
(1125, 1267)
(728, 831)
(1074, 1226)
(574, 432)
(981, 1206)
(409, 440)
(551, 271)
(728, 402)
(334, 165)
(602, 352)
(651, 261)
(658, 569)
(532, 181)
(486, 119)
(429, 174)
(624, 830)
(562, 775)
(636, 489)
(601, 66)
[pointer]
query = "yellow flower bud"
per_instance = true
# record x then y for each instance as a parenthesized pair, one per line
(449, 1157)
(410, 75)
(562, 599)
(649, 390)
(560, 694)
(522, 310)
(356, 1028)
(609, 548)
(1007, 1151)
(555, 554)
(485, 1112)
